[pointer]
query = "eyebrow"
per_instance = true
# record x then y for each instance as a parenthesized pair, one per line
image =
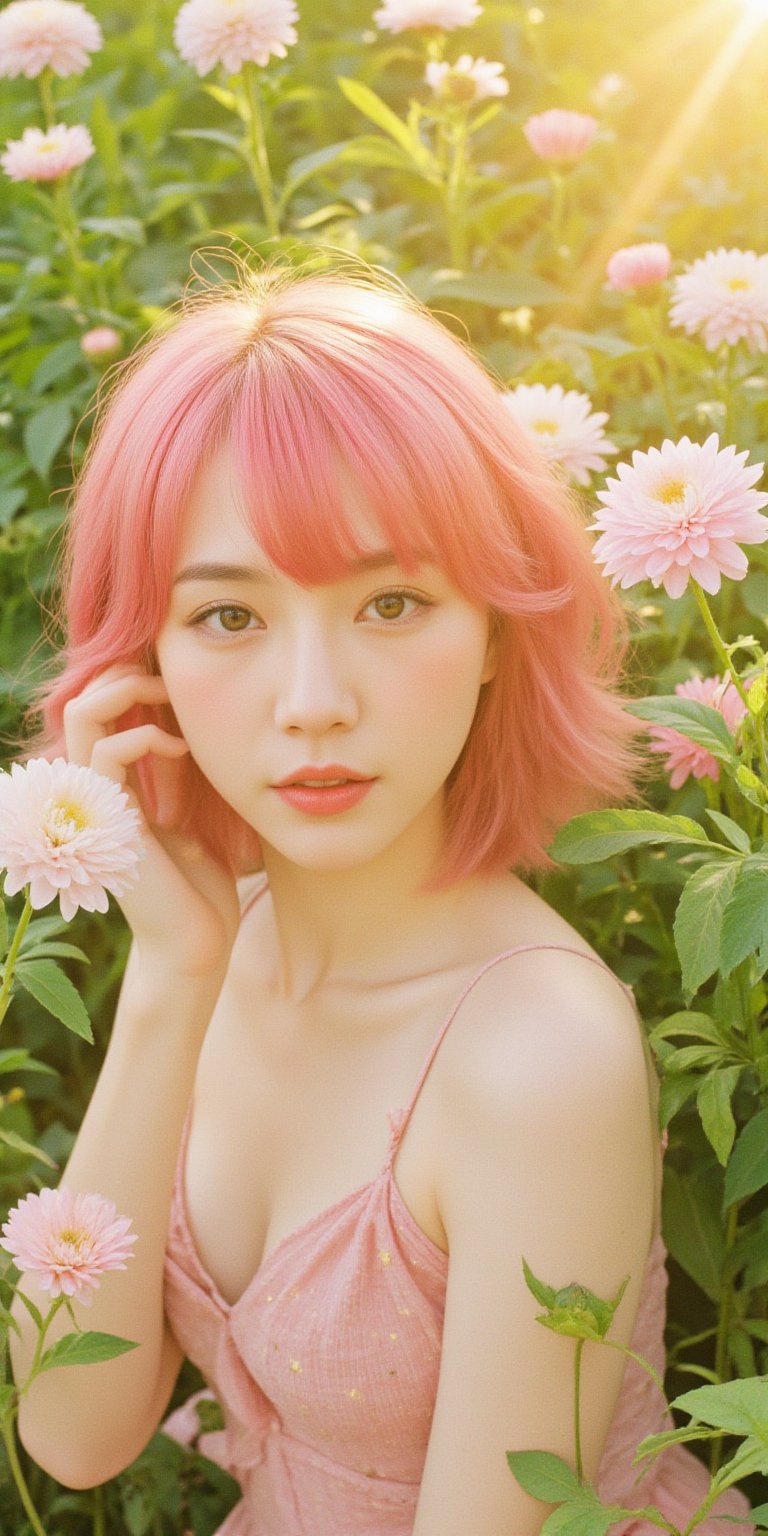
(212, 570)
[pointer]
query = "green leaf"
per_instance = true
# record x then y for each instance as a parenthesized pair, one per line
(730, 829)
(693, 1231)
(545, 1294)
(41, 928)
(597, 835)
(689, 1056)
(53, 990)
(740, 1407)
(229, 100)
(699, 920)
(673, 1093)
(60, 360)
(106, 137)
(44, 433)
(6, 1397)
(124, 228)
(499, 290)
(12, 1139)
(58, 948)
(544, 1475)
(306, 166)
(214, 136)
(686, 1022)
(747, 1170)
(17, 1059)
(698, 722)
(33, 1311)
(87, 1348)
(372, 107)
(745, 919)
(714, 1105)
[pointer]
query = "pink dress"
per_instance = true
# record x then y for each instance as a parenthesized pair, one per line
(326, 1368)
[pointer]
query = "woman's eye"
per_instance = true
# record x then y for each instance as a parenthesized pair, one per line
(226, 610)
(234, 619)
(396, 595)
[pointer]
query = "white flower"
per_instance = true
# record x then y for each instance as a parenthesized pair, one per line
(563, 426)
(401, 15)
(467, 80)
(724, 296)
(66, 831)
(234, 32)
(52, 34)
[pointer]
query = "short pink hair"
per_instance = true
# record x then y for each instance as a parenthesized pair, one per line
(293, 368)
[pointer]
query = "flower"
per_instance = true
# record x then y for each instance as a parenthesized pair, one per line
(39, 156)
(560, 135)
(67, 1240)
(683, 756)
(103, 338)
(467, 80)
(563, 426)
(724, 295)
(636, 266)
(67, 831)
(607, 87)
(46, 34)
(234, 32)
(185, 1427)
(678, 511)
(400, 15)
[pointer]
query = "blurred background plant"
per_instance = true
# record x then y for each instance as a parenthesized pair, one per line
(506, 165)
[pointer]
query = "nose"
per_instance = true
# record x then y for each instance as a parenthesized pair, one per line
(313, 692)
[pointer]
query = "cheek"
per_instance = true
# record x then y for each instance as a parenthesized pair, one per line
(444, 678)
(204, 701)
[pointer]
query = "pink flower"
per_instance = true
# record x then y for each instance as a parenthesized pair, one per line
(678, 511)
(102, 339)
(68, 1241)
(467, 80)
(402, 15)
(183, 1425)
(560, 135)
(724, 295)
(563, 427)
(40, 34)
(685, 757)
(66, 831)
(635, 266)
(234, 32)
(39, 156)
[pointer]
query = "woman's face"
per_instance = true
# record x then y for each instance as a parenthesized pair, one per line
(265, 676)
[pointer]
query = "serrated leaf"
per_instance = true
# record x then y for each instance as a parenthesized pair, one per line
(740, 1407)
(59, 948)
(53, 990)
(12, 1139)
(87, 1348)
(33, 1311)
(747, 1170)
(693, 1231)
(544, 1475)
(686, 1022)
(713, 1101)
(41, 928)
(730, 829)
(745, 918)
(698, 722)
(699, 920)
(44, 433)
(597, 835)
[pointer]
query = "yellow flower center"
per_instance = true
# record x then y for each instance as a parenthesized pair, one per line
(738, 284)
(76, 1237)
(46, 148)
(674, 490)
(546, 428)
(63, 820)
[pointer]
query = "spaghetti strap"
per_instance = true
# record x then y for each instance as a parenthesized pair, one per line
(253, 899)
(399, 1119)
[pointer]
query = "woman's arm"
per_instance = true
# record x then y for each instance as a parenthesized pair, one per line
(555, 1161)
(84, 1424)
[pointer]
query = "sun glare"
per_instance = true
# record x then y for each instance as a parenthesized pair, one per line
(757, 7)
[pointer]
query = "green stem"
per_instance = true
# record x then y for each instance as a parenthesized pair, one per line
(44, 80)
(99, 1525)
(58, 1303)
(576, 1417)
(8, 968)
(66, 224)
(15, 1466)
(715, 636)
(727, 390)
(260, 159)
(724, 1323)
(646, 1364)
(558, 206)
(455, 195)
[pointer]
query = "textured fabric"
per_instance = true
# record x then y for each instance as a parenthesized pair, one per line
(326, 1368)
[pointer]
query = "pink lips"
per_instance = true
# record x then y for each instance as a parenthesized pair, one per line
(326, 801)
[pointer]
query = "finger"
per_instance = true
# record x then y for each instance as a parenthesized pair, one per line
(88, 714)
(112, 754)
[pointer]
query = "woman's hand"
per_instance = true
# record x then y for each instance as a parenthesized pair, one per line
(183, 908)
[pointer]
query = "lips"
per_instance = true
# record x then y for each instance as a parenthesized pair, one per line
(315, 777)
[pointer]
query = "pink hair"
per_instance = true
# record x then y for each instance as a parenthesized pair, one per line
(292, 368)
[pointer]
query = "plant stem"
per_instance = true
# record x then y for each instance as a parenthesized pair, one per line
(576, 1419)
(15, 1465)
(46, 96)
(66, 224)
(99, 1526)
(260, 158)
(10, 962)
(715, 636)
(455, 195)
(724, 1323)
(727, 390)
(558, 206)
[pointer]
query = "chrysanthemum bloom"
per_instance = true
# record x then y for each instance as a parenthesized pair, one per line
(402, 15)
(560, 135)
(67, 1241)
(66, 831)
(724, 297)
(677, 512)
(234, 32)
(684, 757)
(563, 426)
(39, 156)
(102, 339)
(467, 80)
(636, 266)
(40, 34)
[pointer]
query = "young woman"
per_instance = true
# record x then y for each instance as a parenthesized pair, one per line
(359, 1069)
